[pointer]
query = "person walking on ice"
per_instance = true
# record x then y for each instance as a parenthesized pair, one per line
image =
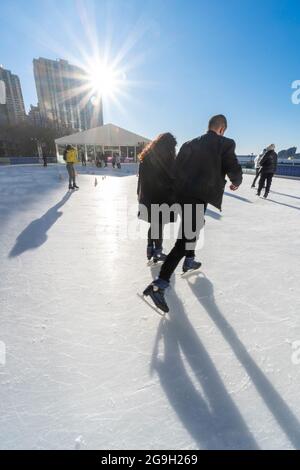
(70, 157)
(200, 170)
(257, 167)
(268, 167)
(156, 187)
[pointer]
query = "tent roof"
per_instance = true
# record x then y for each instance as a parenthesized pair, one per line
(108, 136)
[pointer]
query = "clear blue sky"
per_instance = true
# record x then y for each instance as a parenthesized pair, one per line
(185, 60)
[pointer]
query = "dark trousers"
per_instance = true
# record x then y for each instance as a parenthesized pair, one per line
(72, 174)
(156, 242)
(258, 171)
(266, 178)
(183, 246)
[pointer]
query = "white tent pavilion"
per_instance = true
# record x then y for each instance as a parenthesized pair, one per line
(107, 139)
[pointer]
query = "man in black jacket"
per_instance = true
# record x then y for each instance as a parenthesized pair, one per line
(200, 170)
(268, 167)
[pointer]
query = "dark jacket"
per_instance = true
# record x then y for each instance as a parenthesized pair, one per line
(156, 182)
(268, 163)
(201, 167)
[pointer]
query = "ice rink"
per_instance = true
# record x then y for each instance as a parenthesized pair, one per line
(85, 364)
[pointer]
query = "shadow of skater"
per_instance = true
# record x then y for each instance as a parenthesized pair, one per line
(203, 290)
(283, 204)
(35, 234)
(240, 198)
(284, 194)
(213, 214)
(199, 397)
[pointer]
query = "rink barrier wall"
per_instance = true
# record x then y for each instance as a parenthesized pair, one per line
(288, 171)
(283, 171)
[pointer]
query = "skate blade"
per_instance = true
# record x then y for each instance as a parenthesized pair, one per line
(156, 309)
(154, 263)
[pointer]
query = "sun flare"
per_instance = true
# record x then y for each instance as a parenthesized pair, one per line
(103, 80)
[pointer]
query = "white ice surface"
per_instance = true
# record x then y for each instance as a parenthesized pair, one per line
(89, 365)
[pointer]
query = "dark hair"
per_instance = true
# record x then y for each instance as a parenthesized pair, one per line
(69, 147)
(217, 121)
(162, 147)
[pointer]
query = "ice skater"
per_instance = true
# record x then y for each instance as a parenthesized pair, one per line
(70, 157)
(268, 167)
(118, 162)
(156, 186)
(257, 167)
(200, 170)
(83, 158)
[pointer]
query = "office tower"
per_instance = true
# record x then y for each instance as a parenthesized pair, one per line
(63, 95)
(13, 111)
(35, 117)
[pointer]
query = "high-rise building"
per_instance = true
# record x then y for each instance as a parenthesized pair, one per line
(13, 111)
(35, 117)
(63, 97)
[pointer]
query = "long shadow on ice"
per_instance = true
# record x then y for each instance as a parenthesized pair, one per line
(197, 394)
(213, 214)
(204, 292)
(284, 194)
(240, 198)
(35, 234)
(283, 204)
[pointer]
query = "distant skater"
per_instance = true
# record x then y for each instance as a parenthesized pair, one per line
(268, 167)
(200, 170)
(45, 161)
(257, 167)
(70, 157)
(83, 159)
(156, 186)
(118, 162)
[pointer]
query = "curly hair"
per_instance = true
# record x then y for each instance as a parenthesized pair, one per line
(164, 146)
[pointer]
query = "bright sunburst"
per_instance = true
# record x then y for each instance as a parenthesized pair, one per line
(103, 80)
(103, 75)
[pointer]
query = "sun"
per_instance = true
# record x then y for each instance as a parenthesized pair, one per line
(103, 80)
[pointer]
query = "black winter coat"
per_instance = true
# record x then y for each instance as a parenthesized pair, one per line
(201, 167)
(268, 163)
(156, 182)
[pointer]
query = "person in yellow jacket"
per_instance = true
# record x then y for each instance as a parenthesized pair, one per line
(70, 157)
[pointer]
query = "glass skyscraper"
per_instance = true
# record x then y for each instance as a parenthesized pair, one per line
(63, 97)
(13, 111)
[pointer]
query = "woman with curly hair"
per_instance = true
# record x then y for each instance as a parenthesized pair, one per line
(155, 186)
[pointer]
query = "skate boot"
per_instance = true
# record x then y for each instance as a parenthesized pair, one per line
(75, 186)
(266, 195)
(156, 291)
(70, 187)
(190, 265)
(159, 256)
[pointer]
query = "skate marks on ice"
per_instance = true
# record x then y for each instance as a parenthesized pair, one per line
(202, 403)
(35, 234)
(286, 419)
